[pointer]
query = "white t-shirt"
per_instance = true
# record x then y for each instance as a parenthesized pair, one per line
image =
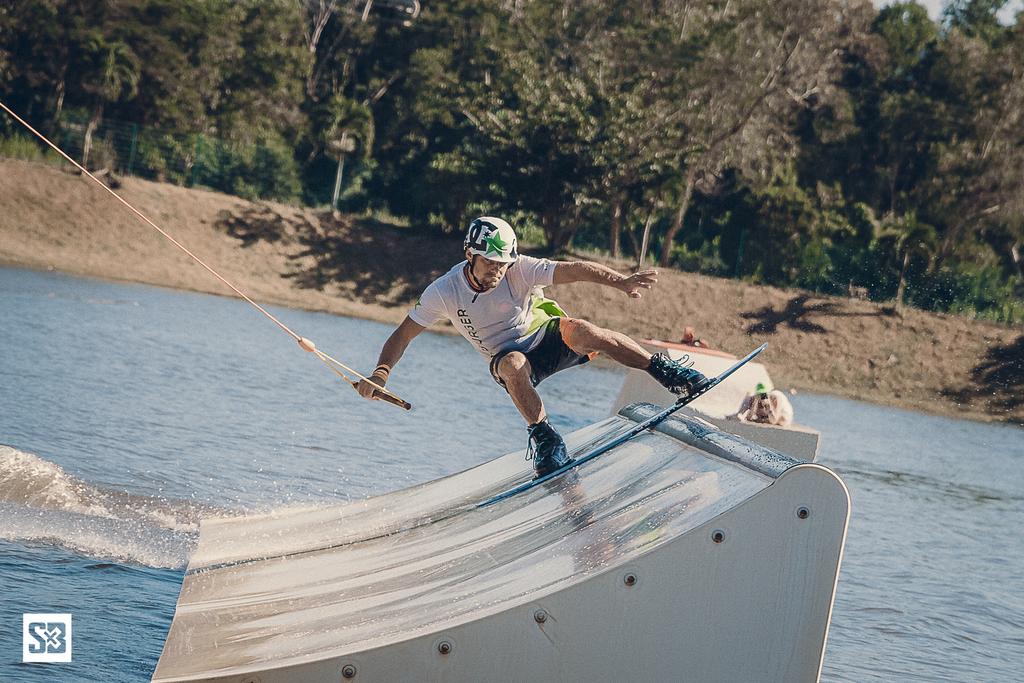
(492, 321)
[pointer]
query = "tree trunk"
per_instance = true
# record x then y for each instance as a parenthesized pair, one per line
(94, 121)
(645, 240)
(677, 224)
(59, 107)
(319, 18)
(550, 223)
(615, 233)
(634, 242)
(559, 228)
(902, 283)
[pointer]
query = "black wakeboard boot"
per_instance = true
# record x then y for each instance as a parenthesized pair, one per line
(546, 448)
(676, 375)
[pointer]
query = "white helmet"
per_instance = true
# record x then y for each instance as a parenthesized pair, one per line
(493, 239)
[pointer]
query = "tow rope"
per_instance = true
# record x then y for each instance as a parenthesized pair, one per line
(339, 368)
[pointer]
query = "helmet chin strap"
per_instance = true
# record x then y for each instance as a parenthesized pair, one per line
(473, 282)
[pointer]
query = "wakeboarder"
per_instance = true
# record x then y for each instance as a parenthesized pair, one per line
(494, 299)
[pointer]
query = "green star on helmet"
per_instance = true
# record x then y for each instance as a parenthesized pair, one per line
(495, 244)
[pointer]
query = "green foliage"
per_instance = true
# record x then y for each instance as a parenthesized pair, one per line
(274, 172)
(978, 292)
(344, 126)
(704, 259)
(816, 270)
(976, 18)
(909, 34)
(19, 146)
(264, 171)
(111, 69)
(163, 156)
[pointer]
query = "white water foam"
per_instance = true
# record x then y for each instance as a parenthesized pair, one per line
(40, 502)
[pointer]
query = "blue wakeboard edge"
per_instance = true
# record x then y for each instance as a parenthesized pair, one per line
(622, 438)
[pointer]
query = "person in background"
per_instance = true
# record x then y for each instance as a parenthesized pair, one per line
(767, 407)
(690, 339)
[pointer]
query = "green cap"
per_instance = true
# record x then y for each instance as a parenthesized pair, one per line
(760, 389)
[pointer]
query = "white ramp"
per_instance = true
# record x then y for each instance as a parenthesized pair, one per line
(686, 554)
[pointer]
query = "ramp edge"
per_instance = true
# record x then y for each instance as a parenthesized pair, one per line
(706, 437)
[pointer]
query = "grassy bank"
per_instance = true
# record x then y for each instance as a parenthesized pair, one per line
(280, 254)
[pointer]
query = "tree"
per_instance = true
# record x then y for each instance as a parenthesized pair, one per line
(758, 69)
(908, 237)
(980, 184)
(975, 18)
(335, 34)
(638, 65)
(7, 28)
(261, 90)
(344, 126)
(534, 116)
(186, 45)
(112, 74)
(910, 121)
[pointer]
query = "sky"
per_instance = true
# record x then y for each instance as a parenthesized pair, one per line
(935, 8)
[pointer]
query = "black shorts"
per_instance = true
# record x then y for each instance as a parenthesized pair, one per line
(549, 356)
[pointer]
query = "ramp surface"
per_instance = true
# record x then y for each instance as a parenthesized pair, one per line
(269, 592)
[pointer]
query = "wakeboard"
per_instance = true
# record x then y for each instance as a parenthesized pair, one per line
(649, 423)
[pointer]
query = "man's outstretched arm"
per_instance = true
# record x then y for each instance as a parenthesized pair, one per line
(390, 354)
(588, 271)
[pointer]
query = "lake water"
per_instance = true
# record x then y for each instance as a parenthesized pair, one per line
(128, 412)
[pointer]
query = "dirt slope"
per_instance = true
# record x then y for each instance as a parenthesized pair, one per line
(52, 218)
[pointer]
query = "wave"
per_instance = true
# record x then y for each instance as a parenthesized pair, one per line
(40, 502)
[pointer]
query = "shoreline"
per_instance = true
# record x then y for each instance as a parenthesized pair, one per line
(54, 220)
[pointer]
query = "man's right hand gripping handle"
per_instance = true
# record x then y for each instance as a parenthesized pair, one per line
(367, 387)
